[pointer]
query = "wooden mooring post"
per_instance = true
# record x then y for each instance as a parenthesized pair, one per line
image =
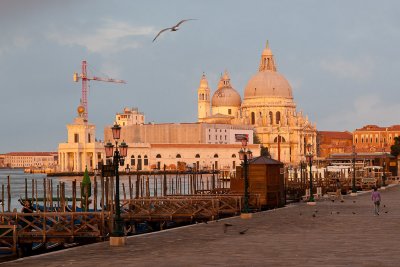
(8, 194)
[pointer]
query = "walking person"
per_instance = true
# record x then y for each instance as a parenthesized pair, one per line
(338, 189)
(376, 198)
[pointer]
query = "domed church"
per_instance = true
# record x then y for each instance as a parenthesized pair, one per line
(267, 105)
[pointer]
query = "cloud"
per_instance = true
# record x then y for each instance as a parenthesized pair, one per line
(112, 36)
(366, 109)
(18, 41)
(358, 70)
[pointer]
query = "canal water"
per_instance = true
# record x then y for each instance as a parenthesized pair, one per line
(177, 184)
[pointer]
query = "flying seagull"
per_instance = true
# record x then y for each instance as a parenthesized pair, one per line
(173, 28)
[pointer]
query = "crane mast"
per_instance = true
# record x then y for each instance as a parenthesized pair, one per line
(85, 81)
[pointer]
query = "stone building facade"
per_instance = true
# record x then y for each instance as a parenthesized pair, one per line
(130, 116)
(333, 142)
(199, 145)
(81, 149)
(30, 160)
(373, 138)
(268, 106)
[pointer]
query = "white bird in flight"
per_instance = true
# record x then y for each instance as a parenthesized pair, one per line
(173, 28)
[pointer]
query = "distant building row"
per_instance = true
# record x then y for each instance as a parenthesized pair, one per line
(368, 139)
(38, 160)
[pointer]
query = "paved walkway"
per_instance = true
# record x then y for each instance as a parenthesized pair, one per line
(329, 234)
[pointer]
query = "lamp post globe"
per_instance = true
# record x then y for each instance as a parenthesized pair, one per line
(127, 169)
(109, 149)
(116, 131)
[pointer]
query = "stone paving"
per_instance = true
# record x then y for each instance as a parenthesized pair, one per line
(328, 234)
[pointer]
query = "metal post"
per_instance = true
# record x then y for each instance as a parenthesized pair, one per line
(354, 189)
(311, 182)
(384, 172)
(246, 185)
(118, 229)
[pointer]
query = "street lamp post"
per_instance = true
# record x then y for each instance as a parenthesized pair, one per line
(301, 175)
(245, 154)
(118, 156)
(310, 156)
(353, 187)
(384, 172)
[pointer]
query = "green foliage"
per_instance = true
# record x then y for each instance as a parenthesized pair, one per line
(86, 185)
(264, 152)
(256, 140)
(395, 149)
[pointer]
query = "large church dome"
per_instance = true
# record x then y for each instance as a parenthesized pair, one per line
(225, 95)
(268, 82)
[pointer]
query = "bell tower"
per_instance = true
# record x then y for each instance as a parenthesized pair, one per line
(203, 99)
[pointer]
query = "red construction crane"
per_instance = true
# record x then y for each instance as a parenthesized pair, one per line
(85, 80)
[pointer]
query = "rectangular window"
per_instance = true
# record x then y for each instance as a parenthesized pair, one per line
(229, 111)
(88, 137)
(76, 138)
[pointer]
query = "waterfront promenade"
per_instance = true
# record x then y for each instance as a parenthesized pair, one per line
(328, 234)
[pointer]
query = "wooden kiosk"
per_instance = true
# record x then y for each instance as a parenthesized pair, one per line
(266, 179)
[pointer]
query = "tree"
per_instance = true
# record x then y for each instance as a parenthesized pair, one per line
(264, 152)
(256, 139)
(395, 149)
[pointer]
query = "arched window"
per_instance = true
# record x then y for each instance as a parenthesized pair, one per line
(233, 155)
(146, 160)
(215, 155)
(356, 140)
(178, 156)
(271, 117)
(197, 156)
(253, 118)
(132, 160)
(278, 117)
(281, 138)
(158, 156)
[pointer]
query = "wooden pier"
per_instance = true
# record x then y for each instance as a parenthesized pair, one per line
(156, 199)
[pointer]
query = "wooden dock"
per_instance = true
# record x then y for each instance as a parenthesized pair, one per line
(339, 234)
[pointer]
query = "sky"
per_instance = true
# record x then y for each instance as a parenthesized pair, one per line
(341, 58)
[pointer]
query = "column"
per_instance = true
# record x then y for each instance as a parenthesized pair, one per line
(94, 160)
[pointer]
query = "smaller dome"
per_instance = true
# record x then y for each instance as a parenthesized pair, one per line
(225, 96)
